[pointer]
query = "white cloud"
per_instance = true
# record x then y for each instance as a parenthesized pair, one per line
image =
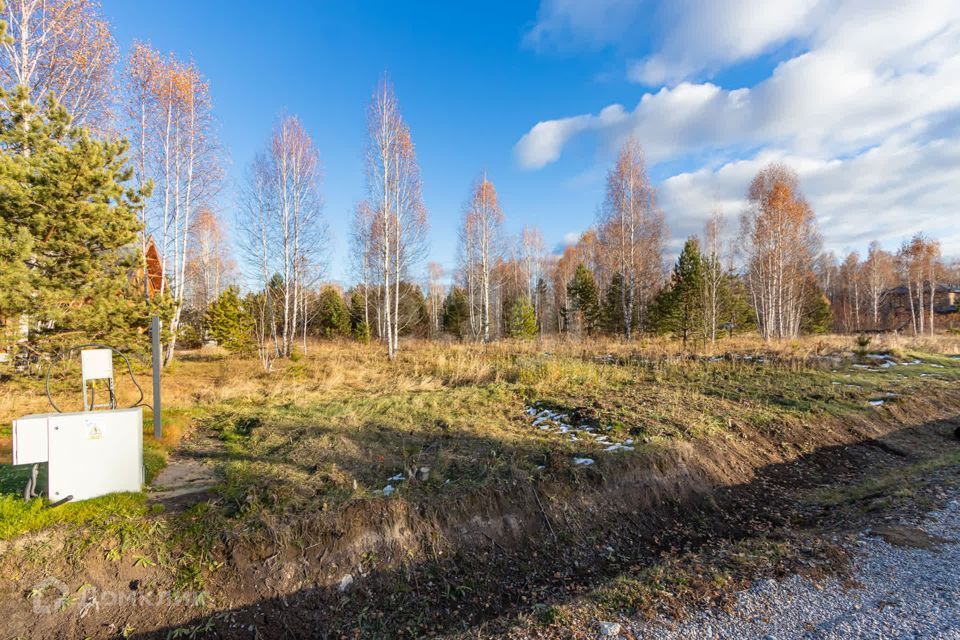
(887, 193)
(702, 35)
(859, 113)
(570, 23)
(858, 84)
(544, 142)
(697, 35)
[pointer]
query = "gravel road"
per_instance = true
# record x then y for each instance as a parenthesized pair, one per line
(909, 589)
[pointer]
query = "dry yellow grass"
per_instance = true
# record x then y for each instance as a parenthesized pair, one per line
(207, 377)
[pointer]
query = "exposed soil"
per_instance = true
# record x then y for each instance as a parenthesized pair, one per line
(189, 476)
(183, 482)
(485, 565)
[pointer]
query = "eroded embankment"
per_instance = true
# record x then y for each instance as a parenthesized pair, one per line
(462, 562)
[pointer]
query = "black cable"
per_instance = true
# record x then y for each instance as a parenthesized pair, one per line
(60, 356)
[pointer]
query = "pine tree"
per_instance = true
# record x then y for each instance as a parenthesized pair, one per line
(817, 312)
(613, 306)
(456, 313)
(230, 322)
(333, 318)
(540, 302)
(523, 319)
(585, 298)
(412, 317)
(69, 224)
(736, 314)
(359, 328)
(678, 308)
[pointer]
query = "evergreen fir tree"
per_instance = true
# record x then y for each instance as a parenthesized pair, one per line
(678, 308)
(230, 323)
(540, 303)
(413, 317)
(359, 328)
(817, 312)
(333, 317)
(69, 224)
(612, 307)
(585, 298)
(522, 320)
(736, 314)
(456, 313)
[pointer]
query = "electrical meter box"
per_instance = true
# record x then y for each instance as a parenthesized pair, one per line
(96, 364)
(90, 453)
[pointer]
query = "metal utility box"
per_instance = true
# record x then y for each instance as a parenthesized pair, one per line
(96, 364)
(30, 440)
(90, 453)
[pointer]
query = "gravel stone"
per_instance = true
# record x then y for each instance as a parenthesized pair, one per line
(903, 592)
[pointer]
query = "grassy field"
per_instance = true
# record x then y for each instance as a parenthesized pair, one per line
(335, 425)
(340, 430)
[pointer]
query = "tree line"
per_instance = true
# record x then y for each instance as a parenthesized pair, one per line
(137, 138)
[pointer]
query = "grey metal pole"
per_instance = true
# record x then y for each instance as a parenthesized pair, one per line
(157, 421)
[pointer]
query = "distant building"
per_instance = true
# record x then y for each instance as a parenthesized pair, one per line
(154, 270)
(896, 314)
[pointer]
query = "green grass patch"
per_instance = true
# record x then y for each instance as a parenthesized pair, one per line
(18, 516)
(898, 483)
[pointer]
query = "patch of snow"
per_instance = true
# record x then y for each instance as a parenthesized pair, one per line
(583, 461)
(388, 490)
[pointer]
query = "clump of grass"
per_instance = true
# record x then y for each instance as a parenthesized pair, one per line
(18, 516)
(897, 483)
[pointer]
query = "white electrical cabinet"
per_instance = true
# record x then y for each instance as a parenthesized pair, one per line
(90, 453)
(30, 440)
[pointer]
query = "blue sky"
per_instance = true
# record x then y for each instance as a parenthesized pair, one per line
(712, 97)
